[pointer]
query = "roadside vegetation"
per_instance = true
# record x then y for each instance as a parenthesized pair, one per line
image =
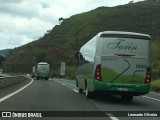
(155, 85)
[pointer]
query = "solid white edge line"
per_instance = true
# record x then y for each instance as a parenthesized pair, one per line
(154, 93)
(108, 114)
(17, 91)
(111, 116)
(151, 98)
(63, 84)
(75, 90)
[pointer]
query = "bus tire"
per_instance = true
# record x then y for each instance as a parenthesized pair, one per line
(80, 90)
(76, 82)
(89, 95)
(126, 97)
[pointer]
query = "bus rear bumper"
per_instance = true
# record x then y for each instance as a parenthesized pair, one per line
(118, 89)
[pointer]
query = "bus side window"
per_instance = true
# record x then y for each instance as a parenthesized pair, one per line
(79, 58)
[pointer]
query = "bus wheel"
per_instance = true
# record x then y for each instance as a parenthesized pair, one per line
(127, 97)
(80, 90)
(76, 83)
(89, 95)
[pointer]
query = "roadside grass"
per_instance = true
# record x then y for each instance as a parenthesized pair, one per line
(155, 85)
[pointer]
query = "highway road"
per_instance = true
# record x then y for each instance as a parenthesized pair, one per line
(57, 95)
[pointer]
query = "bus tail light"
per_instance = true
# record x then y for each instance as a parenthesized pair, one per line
(148, 75)
(98, 73)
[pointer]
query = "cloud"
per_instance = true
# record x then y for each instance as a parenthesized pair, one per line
(23, 9)
(23, 21)
(16, 31)
(10, 1)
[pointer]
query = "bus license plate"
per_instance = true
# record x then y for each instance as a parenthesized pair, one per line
(122, 89)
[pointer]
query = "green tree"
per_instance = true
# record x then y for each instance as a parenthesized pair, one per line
(43, 55)
(2, 59)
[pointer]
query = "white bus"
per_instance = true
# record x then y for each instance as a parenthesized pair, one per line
(115, 62)
(33, 71)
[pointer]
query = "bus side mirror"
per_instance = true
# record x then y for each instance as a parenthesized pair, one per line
(79, 56)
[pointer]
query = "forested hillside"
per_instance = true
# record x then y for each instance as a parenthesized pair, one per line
(64, 40)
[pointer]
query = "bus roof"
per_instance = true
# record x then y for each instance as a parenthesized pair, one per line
(42, 63)
(124, 34)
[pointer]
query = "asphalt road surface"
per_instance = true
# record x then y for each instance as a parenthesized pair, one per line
(59, 99)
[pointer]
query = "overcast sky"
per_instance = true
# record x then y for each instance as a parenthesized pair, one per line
(23, 21)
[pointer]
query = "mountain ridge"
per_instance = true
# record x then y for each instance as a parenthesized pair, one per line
(64, 40)
(5, 52)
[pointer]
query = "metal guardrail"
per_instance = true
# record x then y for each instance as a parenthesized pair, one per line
(9, 80)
